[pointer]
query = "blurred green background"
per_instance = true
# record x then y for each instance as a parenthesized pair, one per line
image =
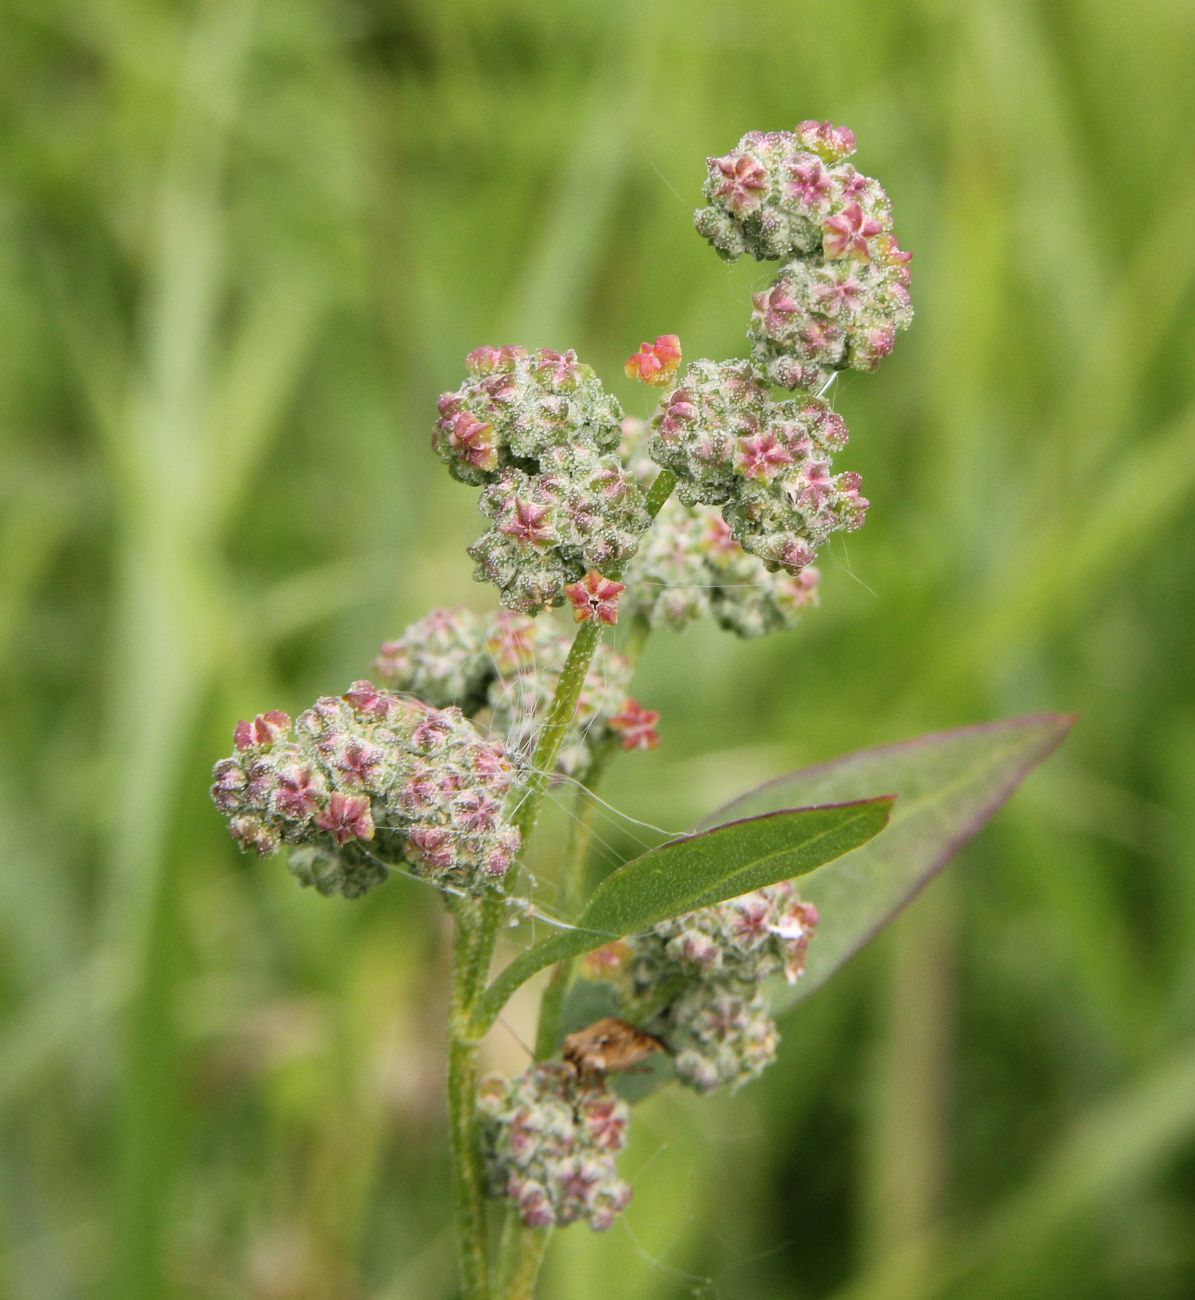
(243, 246)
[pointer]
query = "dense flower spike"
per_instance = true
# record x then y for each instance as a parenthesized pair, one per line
(416, 784)
(780, 193)
(690, 566)
(766, 463)
(823, 316)
(844, 292)
(442, 659)
(722, 1035)
(579, 511)
(504, 671)
(536, 431)
(549, 1141)
(746, 939)
(655, 363)
(518, 405)
(717, 1026)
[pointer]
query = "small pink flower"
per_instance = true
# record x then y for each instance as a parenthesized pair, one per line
(253, 833)
(655, 363)
(476, 812)
(503, 853)
(832, 142)
(433, 847)
(263, 730)
(365, 698)
(229, 785)
(743, 181)
(430, 730)
(761, 456)
(491, 762)
(358, 761)
(295, 795)
(594, 597)
(821, 340)
(815, 485)
(636, 726)
(834, 296)
(892, 253)
(854, 504)
(801, 589)
(483, 361)
(810, 182)
(528, 522)
(796, 555)
(347, 817)
(750, 924)
(718, 537)
(775, 307)
(605, 1123)
(847, 232)
(559, 367)
(471, 438)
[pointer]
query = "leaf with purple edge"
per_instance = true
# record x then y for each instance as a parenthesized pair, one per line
(949, 784)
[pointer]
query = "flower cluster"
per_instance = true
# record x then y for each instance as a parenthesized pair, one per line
(822, 316)
(766, 464)
(415, 783)
(844, 289)
(536, 431)
(718, 1026)
(690, 566)
(504, 670)
(549, 1143)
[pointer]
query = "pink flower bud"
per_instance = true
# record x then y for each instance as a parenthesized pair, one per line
(347, 817)
(655, 363)
(635, 726)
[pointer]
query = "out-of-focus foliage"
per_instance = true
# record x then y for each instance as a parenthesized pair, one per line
(243, 246)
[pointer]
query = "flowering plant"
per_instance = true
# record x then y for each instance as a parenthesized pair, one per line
(437, 769)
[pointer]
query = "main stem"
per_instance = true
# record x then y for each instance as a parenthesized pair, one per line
(462, 1100)
(477, 933)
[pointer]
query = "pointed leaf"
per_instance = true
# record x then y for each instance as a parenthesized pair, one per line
(948, 785)
(696, 871)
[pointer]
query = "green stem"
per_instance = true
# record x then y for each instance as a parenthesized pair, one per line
(462, 1102)
(572, 879)
(543, 762)
(477, 933)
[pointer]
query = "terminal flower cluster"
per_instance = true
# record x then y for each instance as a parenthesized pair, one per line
(537, 432)
(718, 1025)
(504, 670)
(549, 1141)
(370, 768)
(766, 464)
(842, 292)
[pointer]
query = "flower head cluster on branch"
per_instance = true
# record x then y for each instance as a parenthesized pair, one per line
(690, 567)
(843, 291)
(716, 961)
(766, 464)
(367, 778)
(504, 670)
(549, 1141)
(538, 433)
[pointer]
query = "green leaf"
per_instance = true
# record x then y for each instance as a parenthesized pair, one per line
(948, 784)
(696, 871)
